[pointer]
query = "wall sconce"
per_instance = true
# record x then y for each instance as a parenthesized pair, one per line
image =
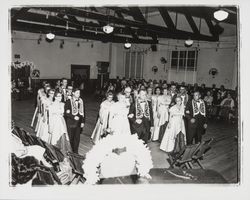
(155, 69)
(213, 72)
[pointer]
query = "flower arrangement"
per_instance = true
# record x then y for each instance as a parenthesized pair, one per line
(117, 155)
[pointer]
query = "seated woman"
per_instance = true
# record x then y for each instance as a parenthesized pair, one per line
(209, 101)
(216, 105)
(227, 106)
(102, 122)
(175, 131)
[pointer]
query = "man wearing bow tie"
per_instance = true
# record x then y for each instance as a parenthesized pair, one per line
(195, 112)
(141, 117)
(74, 113)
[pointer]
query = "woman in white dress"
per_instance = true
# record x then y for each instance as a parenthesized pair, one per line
(57, 125)
(163, 108)
(174, 127)
(118, 117)
(102, 122)
(43, 128)
(156, 129)
(42, 93)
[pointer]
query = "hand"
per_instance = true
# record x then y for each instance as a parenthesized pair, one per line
(44, 120)
(192, 120)
(76, 118)
(82, 125)
(158, 115)
(151, 129)
(169, 126)
(205, 126)
(138, 121)
(131, 115)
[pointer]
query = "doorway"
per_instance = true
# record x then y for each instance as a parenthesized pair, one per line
(81, 74)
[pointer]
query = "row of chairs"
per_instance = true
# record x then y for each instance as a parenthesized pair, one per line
(190, 155)
(54, 156)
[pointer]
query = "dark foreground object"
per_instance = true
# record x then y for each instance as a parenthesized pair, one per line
(163, 176)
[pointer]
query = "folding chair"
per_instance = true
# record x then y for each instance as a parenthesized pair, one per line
(76, 162)
(203, 148)
(19, 132)
(184, 158)
(46, 176)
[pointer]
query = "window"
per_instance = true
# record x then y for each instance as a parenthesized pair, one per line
(133, 64)
(184, 60)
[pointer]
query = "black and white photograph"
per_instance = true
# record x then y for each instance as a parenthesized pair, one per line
(134, 95)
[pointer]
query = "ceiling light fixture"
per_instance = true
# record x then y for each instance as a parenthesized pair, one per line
(108, 29)
(189, 42)
(127, 45)
(50, 37)
(221, 15)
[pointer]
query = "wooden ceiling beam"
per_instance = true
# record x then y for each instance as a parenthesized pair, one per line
(191, 22)
(35, 28)
(166, 18)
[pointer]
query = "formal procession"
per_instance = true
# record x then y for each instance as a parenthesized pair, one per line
(124, 95)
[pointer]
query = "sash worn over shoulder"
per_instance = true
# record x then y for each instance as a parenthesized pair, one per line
(77, 109)
(201, 109)
(139, 110)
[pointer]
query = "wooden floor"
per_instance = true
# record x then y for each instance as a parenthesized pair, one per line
(223, 157)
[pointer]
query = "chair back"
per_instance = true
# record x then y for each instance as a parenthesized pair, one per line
(76, 162)
(204, 147)
(190, 150)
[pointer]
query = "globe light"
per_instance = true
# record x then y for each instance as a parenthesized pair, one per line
(127, 45)
(108, 29)
(50, 36)
(220, 15)
(189, 43)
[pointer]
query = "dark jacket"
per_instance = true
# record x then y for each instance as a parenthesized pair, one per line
(132, 110)
(69, 117)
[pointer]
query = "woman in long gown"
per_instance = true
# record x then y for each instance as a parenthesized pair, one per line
(102, 122)
(175, 126)
(43, 128)
(163, 108)
(155, 99)
(42, 93)
(118, 117)
(57, 125)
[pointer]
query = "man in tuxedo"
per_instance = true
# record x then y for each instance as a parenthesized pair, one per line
(74, 113)
(141, 117)
(63, 89)
(195, 112)
(173, 94)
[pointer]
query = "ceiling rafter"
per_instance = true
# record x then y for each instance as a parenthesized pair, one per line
(191, 21)
(37, 28)
(19, 13)
(166, 18)
(136, 28)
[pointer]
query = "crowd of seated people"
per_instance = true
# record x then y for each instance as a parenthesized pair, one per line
(221, 103)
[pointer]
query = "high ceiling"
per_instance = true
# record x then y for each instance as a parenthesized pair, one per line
(130, 23)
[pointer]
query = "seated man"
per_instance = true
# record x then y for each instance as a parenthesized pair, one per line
(227, 106)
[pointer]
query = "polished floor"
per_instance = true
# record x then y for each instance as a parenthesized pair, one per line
(223, 157)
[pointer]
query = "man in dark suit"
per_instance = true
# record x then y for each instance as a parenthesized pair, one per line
(141, 117)
(195, 112)
(74, 113)
(63, 89)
